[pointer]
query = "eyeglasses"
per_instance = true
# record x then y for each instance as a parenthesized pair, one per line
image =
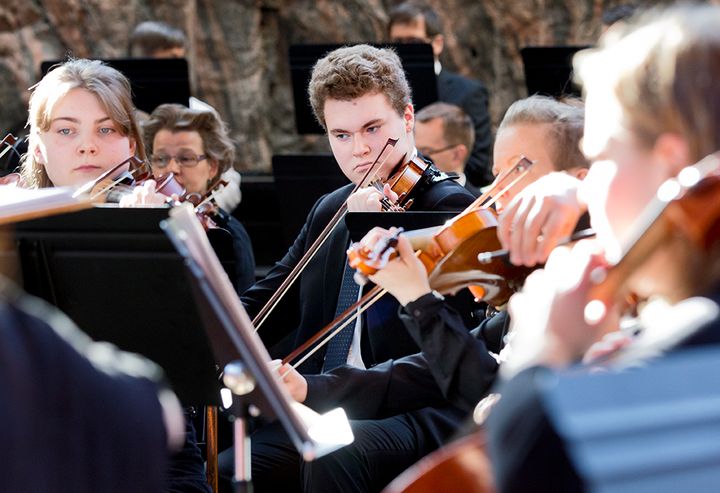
(429, 151)
(185, 160)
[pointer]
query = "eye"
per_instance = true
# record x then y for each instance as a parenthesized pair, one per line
(187, 160)
(342, 137)
(107, 130)
(64, 131)
(373, 129)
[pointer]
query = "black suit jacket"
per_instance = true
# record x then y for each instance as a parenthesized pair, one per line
(472, 96)
(77, 416)
(310, 304)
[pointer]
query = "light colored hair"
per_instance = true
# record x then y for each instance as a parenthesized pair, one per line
(663, 70)
(565, 122)
(177, 118)
(352, 72)
(107, 84)
(458, 128)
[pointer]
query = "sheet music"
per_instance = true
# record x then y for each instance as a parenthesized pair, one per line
(19, 204)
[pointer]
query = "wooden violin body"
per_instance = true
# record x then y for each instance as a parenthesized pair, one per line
(462, 465)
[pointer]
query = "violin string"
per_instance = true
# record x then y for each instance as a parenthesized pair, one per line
(480, 202)
(357, 310)
(295, 273)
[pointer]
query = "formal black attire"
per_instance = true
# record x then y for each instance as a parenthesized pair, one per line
(382, 448)
(454, 366)
(526, 450)
(242, 246)
(472, 96)
(77, 416)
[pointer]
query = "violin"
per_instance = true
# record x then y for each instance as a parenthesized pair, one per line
(111, 185)
(449, 252)
(685, 206)
(402, 182)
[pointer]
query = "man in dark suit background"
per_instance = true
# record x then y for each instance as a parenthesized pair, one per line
(417, 22)
(445, 134)
(361, 97)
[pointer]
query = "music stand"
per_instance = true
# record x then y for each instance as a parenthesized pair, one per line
(315, 175)
(417, 59)
(244, 358)
(74, 260)
(154, 81)
(644, 430)
(548, 70)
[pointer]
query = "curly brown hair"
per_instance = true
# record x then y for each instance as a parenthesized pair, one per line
(354, 71)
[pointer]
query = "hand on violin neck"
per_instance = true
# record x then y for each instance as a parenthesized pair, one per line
(405, 276)
(539, 218)
(548, 315)
(143, 195)
(370, 199)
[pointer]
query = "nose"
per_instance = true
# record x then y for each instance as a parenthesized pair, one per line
(173, 166)
(360, 147)
(88, 145)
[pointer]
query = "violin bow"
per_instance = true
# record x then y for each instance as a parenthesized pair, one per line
(320, 240)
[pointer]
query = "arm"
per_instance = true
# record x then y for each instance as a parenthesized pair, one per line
(390, 388)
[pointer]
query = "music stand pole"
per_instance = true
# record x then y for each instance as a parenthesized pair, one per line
(240, 383)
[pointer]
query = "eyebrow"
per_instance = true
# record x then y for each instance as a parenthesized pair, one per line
(75, 120)
(371, 123)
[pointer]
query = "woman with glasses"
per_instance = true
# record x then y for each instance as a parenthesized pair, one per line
(194, 146)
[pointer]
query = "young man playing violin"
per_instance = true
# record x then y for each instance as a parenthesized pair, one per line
(361, 97)
(454, 365)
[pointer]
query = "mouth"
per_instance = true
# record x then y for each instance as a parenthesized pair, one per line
(87, 168)
(362, 167)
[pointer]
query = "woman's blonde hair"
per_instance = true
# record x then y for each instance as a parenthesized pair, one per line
(213, 131)
(107, 84)
(663, 70)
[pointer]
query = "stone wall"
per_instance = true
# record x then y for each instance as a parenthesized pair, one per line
(238, 49)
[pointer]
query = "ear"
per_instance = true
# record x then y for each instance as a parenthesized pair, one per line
(409, 117)
(133, 146)
(671, 151)
(213, 168)
(438, 43)
(460, 153)
(39, 156)
(579, 173)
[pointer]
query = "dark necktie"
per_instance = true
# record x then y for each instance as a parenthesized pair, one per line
(339, 346)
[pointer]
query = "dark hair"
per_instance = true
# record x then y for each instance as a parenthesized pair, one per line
(458, 128)
(408, 12)
(151, 36)
(618, 13)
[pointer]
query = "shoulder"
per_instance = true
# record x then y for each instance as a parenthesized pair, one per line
(444, 195)
(456, 81)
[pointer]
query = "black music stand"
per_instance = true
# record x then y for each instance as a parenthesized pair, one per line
(315, 175)
(548, 70)
(244, 358)
(154, 81)
(417, 60)
(72, 260)
(644, 430)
